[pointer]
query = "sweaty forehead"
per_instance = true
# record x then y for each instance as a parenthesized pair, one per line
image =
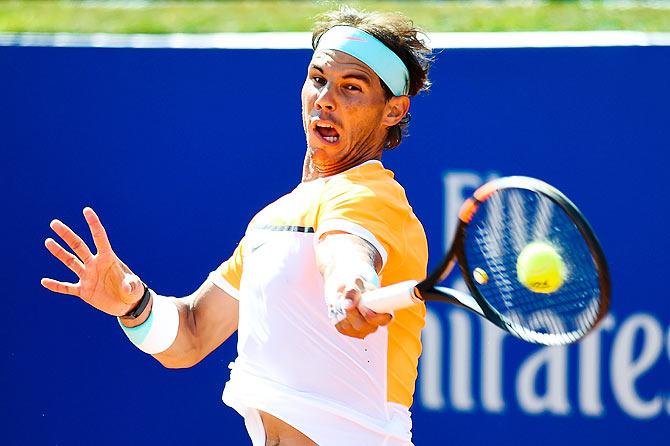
(336, 60)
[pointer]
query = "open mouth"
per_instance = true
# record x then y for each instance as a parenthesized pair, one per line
(327, 132)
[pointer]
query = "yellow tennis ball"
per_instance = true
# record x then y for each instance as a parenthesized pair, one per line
(540, 268)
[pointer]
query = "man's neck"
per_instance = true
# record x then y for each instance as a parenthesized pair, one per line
(310, 171)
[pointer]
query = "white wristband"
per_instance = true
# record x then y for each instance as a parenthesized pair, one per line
(158, 332)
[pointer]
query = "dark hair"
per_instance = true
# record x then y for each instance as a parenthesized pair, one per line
(400, 35)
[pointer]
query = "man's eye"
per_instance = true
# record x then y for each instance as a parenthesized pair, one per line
(353, 88)
(318, 80)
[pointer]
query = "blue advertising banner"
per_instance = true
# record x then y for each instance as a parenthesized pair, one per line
(178, 148)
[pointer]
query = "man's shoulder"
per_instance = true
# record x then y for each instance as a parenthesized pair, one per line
(371, 179)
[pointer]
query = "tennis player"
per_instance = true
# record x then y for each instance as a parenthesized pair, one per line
(314, 366)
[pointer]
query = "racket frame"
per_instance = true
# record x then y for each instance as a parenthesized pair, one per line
(427, 289)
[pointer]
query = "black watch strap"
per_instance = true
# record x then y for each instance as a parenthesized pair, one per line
(141, 305)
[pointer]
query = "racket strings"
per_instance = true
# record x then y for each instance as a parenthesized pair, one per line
(502, 226)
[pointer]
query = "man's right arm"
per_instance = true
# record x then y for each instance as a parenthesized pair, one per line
(206, 319)
(181, 332)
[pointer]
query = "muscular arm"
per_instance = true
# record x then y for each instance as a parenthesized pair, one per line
(345, 260)
(207, 318)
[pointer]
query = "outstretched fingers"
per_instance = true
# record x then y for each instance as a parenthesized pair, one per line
(67, 258)
(97, 231)
(73, 240)
(60, 287)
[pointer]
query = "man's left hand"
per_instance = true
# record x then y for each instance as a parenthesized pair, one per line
(359, 321)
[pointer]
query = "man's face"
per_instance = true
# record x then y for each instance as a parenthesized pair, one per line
(343, 111)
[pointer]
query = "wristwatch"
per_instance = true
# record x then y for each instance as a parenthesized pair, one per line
(141, 305)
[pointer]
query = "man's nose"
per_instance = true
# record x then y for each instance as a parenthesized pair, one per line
(325, 99)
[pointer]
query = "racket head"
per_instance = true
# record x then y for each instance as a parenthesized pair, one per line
(496, 223)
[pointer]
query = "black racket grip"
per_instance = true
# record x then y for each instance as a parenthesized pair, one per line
(390, 298)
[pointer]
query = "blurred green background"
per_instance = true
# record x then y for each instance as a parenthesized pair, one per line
(260, 16)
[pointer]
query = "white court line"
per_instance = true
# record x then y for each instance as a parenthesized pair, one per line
(282, 40)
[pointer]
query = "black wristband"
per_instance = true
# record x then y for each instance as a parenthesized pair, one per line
(141, 305)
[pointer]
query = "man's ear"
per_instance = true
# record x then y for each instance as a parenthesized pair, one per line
(396, 109)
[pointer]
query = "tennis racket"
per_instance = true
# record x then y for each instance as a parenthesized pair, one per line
(502, 218)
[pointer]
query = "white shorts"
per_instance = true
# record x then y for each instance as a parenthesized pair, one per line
(254, 425)
(326, 423)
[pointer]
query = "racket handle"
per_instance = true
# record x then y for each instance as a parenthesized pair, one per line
(392, 297)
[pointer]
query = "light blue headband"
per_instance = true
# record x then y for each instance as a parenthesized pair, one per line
(373, 53)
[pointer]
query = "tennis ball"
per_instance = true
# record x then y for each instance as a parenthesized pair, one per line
(540, 268)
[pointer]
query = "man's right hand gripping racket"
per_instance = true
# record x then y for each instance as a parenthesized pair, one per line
(531, 262)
